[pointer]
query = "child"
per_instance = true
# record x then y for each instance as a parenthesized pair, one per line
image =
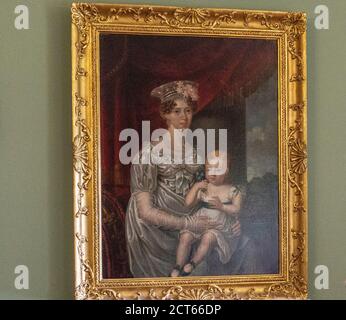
(220, 202)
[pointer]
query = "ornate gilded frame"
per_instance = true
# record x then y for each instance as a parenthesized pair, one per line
(288, 29)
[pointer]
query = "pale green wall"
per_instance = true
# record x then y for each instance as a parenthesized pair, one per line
(35, 134)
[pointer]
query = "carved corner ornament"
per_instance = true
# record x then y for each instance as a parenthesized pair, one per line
(289, 30)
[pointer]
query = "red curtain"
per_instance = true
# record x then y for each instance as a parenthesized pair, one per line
(131, 66)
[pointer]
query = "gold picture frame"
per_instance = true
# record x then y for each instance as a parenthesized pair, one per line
(288, 29)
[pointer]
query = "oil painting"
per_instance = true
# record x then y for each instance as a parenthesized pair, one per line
(232, 85)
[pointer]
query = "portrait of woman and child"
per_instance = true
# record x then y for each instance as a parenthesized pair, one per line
(189, 218)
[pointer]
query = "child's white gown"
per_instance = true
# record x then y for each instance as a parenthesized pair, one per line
(226, 241)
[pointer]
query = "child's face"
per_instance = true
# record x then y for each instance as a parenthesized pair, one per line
(214, 174)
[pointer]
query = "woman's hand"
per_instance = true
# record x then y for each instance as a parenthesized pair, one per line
(205, 223)
(200, 224)
(236, 228)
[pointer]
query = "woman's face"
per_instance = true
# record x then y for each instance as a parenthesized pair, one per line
(181, 115)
